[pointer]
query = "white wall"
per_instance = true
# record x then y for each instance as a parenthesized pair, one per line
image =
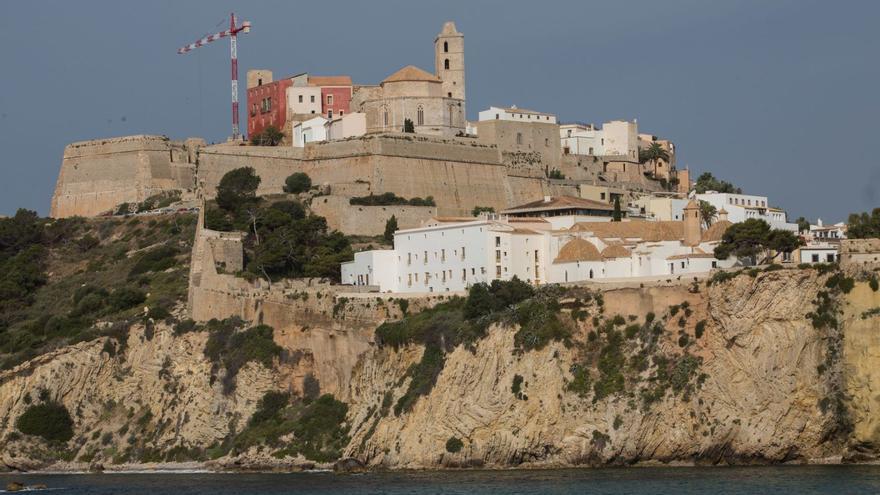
(311, 130)
(741, 207)
(311, 100)
(621, 138)
(349, 125)
(376, 267)
(825, 255)
(496, 113)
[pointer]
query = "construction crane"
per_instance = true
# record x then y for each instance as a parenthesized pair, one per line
(232, 33)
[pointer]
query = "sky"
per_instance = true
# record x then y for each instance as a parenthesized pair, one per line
(780, 97)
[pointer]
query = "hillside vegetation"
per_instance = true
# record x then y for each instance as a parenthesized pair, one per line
(71, 280)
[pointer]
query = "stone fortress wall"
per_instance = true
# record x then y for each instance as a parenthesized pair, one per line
(460, 173)
(98, 175)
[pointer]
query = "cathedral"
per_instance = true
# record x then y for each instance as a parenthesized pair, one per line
(434, 103)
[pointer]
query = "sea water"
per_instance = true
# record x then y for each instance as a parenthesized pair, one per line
(800, 480)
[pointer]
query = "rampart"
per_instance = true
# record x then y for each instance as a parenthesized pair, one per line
(367, 220)
(98, 175)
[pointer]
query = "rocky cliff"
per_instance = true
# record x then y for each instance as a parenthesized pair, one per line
(771, 366)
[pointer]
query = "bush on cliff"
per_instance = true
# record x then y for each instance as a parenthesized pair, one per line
(297, 182)
(237, 189)
(50, 420)
(390, 199)
(232, 349)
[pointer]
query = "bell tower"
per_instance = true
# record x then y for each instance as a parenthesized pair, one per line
(449, 60)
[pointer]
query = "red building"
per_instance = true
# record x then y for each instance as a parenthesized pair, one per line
(267, 104)
(267, 99)
(335, 94)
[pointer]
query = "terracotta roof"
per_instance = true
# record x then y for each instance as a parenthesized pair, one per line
(690, 255)
(560, 203)
(329, 81)
(411, 73)
(667, 230)
(716, 230)
(527, 220)
(578, 250)
(616, 251)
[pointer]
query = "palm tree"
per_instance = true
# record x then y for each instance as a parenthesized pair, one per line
(654, 154)
(707, 213)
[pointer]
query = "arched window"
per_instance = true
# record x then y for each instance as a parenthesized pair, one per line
(445, 46)
(446, 64)
(519, 138)
(420, 116)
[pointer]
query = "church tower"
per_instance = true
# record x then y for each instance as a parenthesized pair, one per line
(449, 60)
(692, 231)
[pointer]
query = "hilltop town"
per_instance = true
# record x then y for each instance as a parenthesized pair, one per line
(371, 280)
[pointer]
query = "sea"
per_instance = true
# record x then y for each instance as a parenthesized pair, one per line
(800, 480)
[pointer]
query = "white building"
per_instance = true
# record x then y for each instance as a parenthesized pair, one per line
(516, 114)
(451, 254)
(618, 138)
(304, 100)
(310, 131)
(741, 207)
(818, 252)
(346, 126)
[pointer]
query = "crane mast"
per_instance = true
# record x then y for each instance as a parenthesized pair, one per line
(232, 33)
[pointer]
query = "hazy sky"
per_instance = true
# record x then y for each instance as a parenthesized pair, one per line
(779, 97)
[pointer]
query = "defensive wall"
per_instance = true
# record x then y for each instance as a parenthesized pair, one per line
(322, 330)
(98, 175)
(460, 173)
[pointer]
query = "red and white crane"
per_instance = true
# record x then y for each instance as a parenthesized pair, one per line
(232, 33)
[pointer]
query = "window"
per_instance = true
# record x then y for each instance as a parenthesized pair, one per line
(260, 82)
(409, 280)
(462, 252)
(569, 133)
(269, 104)
(714, 264)
(330, 113)
(341, 113)
(446, 64)
(385, 116)
(815, 258)
(445, 47)
(591, 150)
(300, 98)
(602, 196)
(546, 141)
(312, 99)
(498, 256)
(426, 258)
(409, 259)
(449, 94)
(497, 272)
(830, 258)
(496, 116)
(420, 116)
(329, 99)
(497, 241)
(464, 273)
(518, 138)
(443, 255)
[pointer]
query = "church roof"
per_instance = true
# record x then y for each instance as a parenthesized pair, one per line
(411, 73)
(616, 251)
(716, 230)
(578, 250)
(329, 80)
(667, 230)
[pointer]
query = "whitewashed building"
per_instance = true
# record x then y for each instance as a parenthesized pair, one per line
(451, 254)
(310, 131)
(618, 138)
(346, 126)
(741, 207)
(516, 114)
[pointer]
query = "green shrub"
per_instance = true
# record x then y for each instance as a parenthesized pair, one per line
(233, 349)
(516, 386)
(700, 328)
(50, 420)
(873, 283)
(155, 260)
(454, 445)
(320, 432)
(126, 297)
(269, 406)
(298, 182)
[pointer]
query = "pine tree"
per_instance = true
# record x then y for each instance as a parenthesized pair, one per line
(617, 215)
(390, 228)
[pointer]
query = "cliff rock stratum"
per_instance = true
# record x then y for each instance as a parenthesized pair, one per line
(756, 366)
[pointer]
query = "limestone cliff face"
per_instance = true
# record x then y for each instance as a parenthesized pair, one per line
(769, 387)
(159, 391)
(761, 399)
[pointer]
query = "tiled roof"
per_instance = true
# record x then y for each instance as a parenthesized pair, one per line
(667, 230)
(716, 231)
(578, 250)
(560, 203)
(616, 251)
(411, 73)
(690, 255)
(329, 80)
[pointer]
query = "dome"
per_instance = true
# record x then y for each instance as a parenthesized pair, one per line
(578, 250)
(616, 251)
